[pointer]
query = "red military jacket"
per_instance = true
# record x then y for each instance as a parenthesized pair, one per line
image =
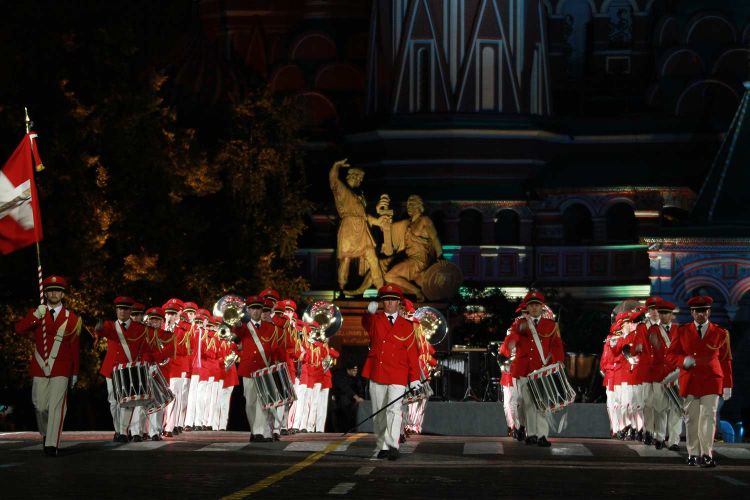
(660, 339)
(57, 348)
(327, 381)
(426, 351)
(640, 349)
(394, 355)
(519, 367)
(134, 338)
(606, 365)
(250, 357)
(185, 345)
(713, 360)
(230, 375)
(527, 353)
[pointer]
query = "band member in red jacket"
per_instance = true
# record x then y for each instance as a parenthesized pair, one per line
(701, 351)
(128, 342)
(392, 364)
(666, 419)
(256, 352)
(538, 344)
(54, 367)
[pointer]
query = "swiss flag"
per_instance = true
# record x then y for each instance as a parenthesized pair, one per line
(20, 219)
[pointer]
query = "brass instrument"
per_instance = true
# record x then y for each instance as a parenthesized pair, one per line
(327, 315)
(433, 323)
(231, 359)
(328, 362)
(231, 310)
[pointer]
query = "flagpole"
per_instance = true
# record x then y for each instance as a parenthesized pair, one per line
(38, 250)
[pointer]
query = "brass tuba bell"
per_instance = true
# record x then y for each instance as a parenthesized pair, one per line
(231, 310)
(327, 315)
(433, 323)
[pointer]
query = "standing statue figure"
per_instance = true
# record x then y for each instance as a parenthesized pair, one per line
(417, 238)
(354, 238)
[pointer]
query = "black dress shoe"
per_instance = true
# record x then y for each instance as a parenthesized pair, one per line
(303, 431)
(156, 437)
(177, 430)
(293, 431)
(648, 440)
(284, 432)
(674, 447)
(708, 462)
(631, 435)
(639, 436)
(658, 444)
(122, 438)
(393, 454)
(402, 439)
(264, 439)
(50, 451)
(521, 433)
(514, 433)
(383, 453)
(187, 428)
(531, 440)
(168, 434)
(137, 438)
(114, 439)
(692, 461)
(276, 436)
(543, 442)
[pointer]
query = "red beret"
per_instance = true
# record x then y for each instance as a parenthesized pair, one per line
(268, 304)
(622, 317)
(652, 301)
(55, 283)
(521, 307)
(700, 302)
(534, 296)
(138, 307)
(189, 306)
(155, 312)
(172, 305)
(270, 293)
(390, 292)
(665, 306)
(289, 304)
(204, 312)
(253, 301)
(123, 301)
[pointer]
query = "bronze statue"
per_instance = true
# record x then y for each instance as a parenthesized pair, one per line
(354, 240)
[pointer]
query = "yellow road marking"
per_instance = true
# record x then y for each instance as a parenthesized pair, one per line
(274, 478)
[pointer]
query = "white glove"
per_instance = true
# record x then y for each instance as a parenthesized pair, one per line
(40, 311)
(688, 363)
(372, 307)
(727, 394)
(612, 342)
(73, 381)
(415, 385)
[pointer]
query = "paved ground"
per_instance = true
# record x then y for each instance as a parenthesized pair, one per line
(224, 464)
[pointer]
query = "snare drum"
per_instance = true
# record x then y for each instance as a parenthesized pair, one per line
(550, 389)
(671, 385)
(424, 392)
(131, 383)
(163, 395)
(274, 386)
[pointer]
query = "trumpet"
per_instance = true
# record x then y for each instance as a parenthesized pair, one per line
(231, 359)
(328, 362)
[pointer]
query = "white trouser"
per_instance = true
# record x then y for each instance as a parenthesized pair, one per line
(611, 410)
(625, 393)
(649, 416)
(293, 408)
(302, 394)
(659, 403)
(138, 421)
(182, 413)
(215, 404)
(387, 424)
(125, 419)
(256, 416)
(178, 386)
(516, 404)
(225, 397)
(674, 425)
(201, 406)
(49, 396)
(313, 395)
(415, 415)
(510, 419)
(114, 408)
(700, 424)
(321, 410)
(536, 423)
(636, 406)
(192, 401)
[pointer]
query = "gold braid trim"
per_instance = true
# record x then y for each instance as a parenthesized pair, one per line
(412, 336)
(76, 330)
(555, 331)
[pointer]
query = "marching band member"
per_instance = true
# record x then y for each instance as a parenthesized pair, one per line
(256, 353)
(701, 350)
(538, 344)
(653, 393)
(509, 380)
(156, 354)
(283, 346)
(326, 382)
(300, 345)
(312, 374)
(606, 367)
(639, 348)
(621, 374)
(426, 363)
(56, 332)
(306, 382)
(392, 365)
(229, 380)
(667, 421)
(189, 321)
(214, 366)
(127, 340)
(178, 368)
(137, 312)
